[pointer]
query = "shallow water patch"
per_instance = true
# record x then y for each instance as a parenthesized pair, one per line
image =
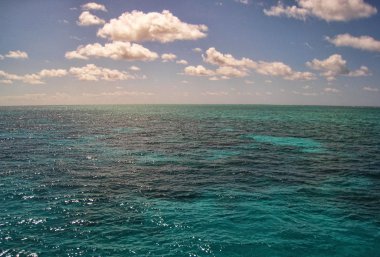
(306, 145)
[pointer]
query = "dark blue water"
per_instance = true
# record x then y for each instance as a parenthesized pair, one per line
(189, 181)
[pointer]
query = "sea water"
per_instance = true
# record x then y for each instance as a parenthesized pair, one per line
(177, 180)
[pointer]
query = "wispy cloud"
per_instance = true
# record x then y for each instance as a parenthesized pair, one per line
(63, 21)
(76, 38)
(215, 93)
(305, 93)
(243, 1)
(371, 89)
(331, 90)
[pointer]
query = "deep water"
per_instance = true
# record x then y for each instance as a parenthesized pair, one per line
(213, 180)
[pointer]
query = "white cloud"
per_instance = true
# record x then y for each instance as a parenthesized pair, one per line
(9, 76)
(282, 70)
(184, 62)
(249, 82)
(94, 6)
(1, 57)
(198, 71)
(331, 90)
(91, 72)
(328, 10)
(371, 89)
(288, 11)
(164, 27)
(334, 66)
(230, 72)
(115, 50)
(52, 73)
(33, 78)
(361, 72)
(220, 73)
(6, 81)
(17, 54)
(363, 42)
(214, 78)
(134, 68)
(215, 57)
(197, 50)
(88, 19)
(331, 67)
(168, 57)
(78, 54)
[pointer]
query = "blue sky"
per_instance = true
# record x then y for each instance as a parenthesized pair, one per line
(324, 52)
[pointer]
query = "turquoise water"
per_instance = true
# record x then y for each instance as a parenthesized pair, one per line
(189, 181)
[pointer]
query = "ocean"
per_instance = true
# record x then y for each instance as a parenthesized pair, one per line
(189, 180)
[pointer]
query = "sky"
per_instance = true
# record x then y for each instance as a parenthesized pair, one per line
(298, 52)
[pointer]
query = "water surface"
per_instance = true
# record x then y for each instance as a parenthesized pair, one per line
(189, 181)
